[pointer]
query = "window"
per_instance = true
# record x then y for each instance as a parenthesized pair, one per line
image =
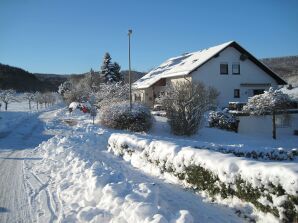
(236, 68)
(224, 68)
(236, 93)
(258, 91)
(137, 97)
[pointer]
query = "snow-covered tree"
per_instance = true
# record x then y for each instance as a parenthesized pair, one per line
(37, 99)
(185, 103)
(269, 102)
(64, 87)
(30, 97)
(71, 91)
(116, 73)
(111, 93)
(110, 71)
(7, 96)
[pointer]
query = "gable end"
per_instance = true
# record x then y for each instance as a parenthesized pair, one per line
(246, 55)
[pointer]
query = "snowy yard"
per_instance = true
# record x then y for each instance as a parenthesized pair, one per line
(64, 169)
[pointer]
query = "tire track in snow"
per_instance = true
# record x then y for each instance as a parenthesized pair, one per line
(16, 184)
(36, 196)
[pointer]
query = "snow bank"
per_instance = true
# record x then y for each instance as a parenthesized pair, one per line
(93, 191)
(270, 186)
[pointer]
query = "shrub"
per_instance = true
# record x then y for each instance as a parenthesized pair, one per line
(185, 103)
(223, 120)
(119, 116)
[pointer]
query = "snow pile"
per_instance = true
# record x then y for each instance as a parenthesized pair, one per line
(270, 186)
(73, 105)
(91, 190)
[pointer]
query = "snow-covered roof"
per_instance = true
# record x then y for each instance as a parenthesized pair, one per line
(179, 66)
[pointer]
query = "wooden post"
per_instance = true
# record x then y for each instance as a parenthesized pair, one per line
(273, 125)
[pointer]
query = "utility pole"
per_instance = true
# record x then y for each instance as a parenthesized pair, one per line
(129, 69)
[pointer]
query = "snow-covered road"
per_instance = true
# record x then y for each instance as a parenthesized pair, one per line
(13, 196)
(24, 135)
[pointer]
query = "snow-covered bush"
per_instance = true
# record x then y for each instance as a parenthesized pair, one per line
(269, 187)
(268, 102)
(119, 116)
(223, 120)
(185, 103)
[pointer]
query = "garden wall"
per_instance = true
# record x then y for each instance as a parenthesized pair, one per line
(262, 125)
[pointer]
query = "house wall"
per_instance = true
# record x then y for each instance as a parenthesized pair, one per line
(262, 125)
(209, 74)
(146, 96)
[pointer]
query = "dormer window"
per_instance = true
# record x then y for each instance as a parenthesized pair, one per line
(236, 68)
(224, 68)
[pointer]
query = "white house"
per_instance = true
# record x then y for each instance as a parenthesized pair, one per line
(228, 67)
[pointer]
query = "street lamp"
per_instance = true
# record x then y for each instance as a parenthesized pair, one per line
(129, 69)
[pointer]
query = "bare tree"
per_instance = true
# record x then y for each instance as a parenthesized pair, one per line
(37, 99)
(30, 97)
(7, 96)
(185, 103)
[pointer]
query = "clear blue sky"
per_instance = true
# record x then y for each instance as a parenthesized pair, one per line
(71, 36)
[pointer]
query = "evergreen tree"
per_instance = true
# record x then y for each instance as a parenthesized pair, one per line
(116, 72)
(110, 71)
(106, 68)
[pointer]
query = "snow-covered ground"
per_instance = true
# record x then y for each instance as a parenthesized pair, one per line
(57, 168)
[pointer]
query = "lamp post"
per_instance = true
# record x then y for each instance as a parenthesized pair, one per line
(129, 69)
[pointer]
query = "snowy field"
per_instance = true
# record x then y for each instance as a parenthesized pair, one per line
(64, 169)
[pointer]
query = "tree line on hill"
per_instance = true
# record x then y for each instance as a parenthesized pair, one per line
(285, 67)
(24, 81)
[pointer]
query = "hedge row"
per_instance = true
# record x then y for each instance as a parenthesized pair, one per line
(277, 201)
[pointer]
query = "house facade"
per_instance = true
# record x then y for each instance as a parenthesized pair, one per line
(228, 67)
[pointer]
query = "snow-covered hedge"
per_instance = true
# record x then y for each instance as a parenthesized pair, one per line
(119, 116)
(223, 120)
(271, 187)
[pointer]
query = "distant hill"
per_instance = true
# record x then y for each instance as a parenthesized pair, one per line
(24, 81)
(135, 75)
(52, 80)
(285, 67)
